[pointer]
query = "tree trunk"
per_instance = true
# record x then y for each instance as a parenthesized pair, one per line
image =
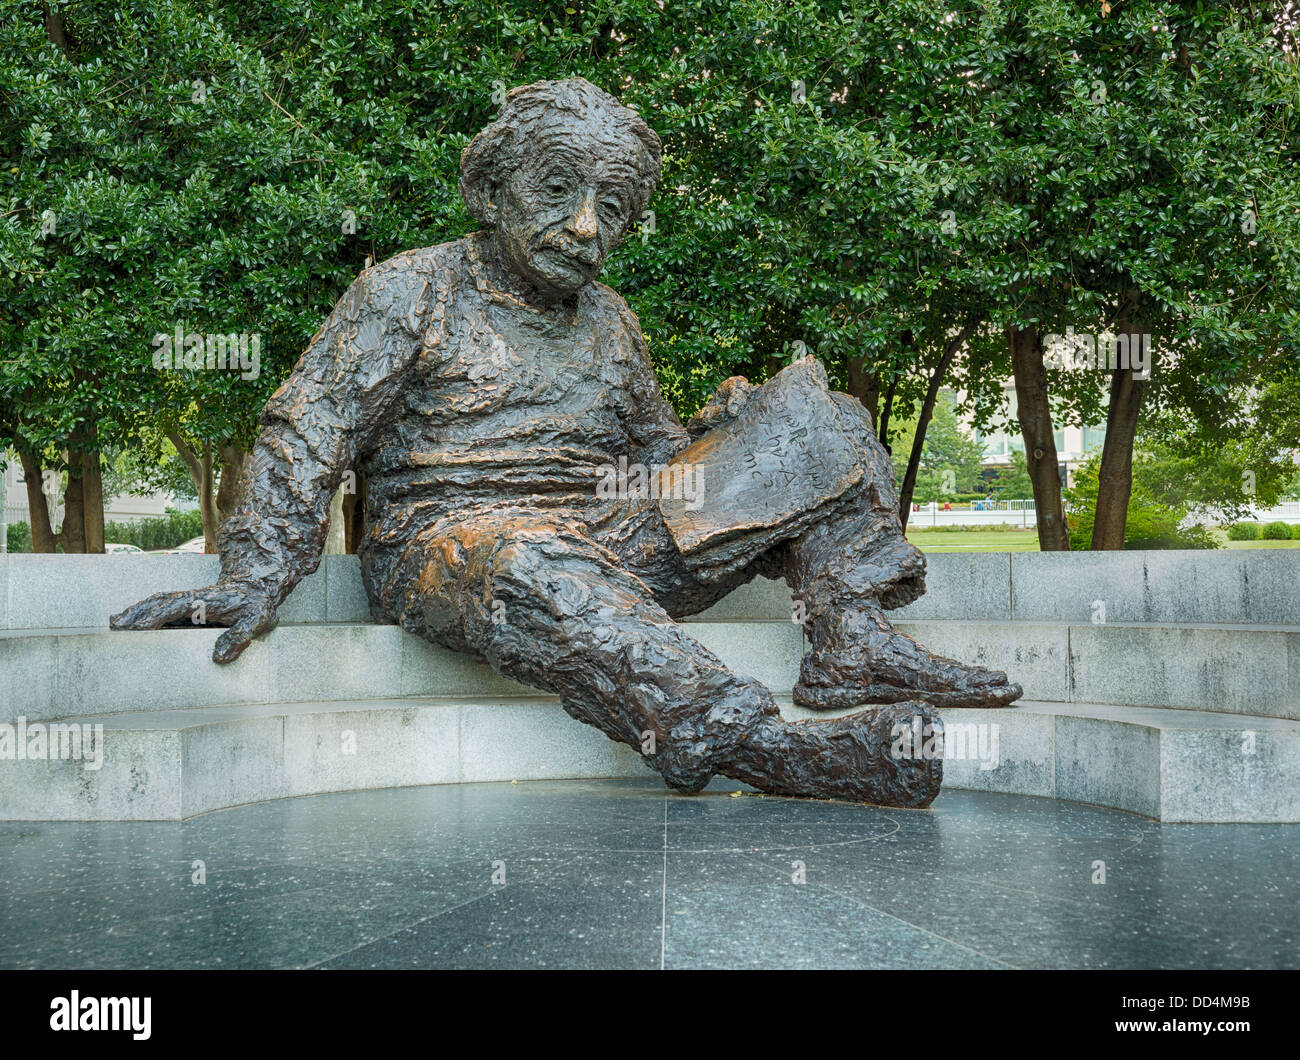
(865, 386)
(927, 411)
(905, 342)
(73, 535)
(199, 463)
(44, 539)
(1115, 478)
(54, 28)
(1035, 416)
(92, 503)
(234, 479)
(882, 428)
(84, 462)
(208, 500)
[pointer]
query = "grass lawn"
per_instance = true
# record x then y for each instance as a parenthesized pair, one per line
(974, 540)
(1024, 541)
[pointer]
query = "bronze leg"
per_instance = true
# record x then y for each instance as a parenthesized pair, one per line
(546, 605)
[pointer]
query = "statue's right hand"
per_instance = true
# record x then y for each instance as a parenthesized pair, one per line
(246, 609)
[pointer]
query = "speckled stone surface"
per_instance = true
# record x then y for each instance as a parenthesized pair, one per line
(1171, 587)
(621, 874)
(1228, 758)
(64, 672)
(1236, 669)
(1164, 586)
(1171, 765)
(963, 586)
(1038, 654)
(1251, 670)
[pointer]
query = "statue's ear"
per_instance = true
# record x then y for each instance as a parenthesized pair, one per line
(482, 196)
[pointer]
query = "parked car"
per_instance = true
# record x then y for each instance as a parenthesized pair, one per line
(193, 547)
(112, 546)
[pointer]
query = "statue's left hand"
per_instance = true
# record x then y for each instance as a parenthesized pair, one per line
(246, 609)
(725, 405)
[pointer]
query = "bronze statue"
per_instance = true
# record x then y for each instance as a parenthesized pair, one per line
(532, 500)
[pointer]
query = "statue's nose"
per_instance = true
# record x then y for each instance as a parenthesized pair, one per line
(584, 224)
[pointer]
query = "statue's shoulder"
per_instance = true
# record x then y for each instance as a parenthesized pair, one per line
(442, 263)
(607, 301)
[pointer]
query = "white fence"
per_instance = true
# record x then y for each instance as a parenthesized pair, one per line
(1285, 512)
(1014, 512)
(17, 513)
(1023, 513)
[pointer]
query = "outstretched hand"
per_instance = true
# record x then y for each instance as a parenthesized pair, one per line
(726, 404)
(248, 611)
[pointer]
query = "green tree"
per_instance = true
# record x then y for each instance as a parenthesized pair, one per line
(917, 195)
(1013, 483)
(1236, 455)
(1154, 520)
(951, 460)
(1156, 177)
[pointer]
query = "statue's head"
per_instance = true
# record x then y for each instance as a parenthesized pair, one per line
(559, 177)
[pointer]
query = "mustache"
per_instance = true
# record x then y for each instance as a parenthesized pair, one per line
(583, 253)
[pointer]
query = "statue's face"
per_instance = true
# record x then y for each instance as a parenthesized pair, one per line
(561, 213)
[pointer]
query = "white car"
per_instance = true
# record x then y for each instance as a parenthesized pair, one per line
(193, 547)
(112, 547)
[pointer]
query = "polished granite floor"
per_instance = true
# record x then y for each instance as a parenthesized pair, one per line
(601, 874)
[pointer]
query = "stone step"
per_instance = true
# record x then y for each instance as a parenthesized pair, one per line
(173, 764)
(1234, 669)
(1260, 586)
(1169, 765)
(54, 673)
(1253, 670)
(44, 592)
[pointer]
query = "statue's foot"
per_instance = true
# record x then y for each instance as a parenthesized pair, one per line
(864, 757)
(858, 657)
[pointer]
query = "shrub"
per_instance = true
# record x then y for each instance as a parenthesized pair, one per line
(165, 531)
(1243, 532)
(1151, 523)
(1194, 536)
(19, 537)
(1278, 531)
(1013, 483)
(1295, 531)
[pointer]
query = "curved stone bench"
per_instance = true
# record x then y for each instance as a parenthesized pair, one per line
(1213, 737)
(1170, 765)
(1249, 670)
(56, 673)
(1247, 587)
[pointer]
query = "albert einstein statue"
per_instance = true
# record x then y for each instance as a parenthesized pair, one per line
(486, 387)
